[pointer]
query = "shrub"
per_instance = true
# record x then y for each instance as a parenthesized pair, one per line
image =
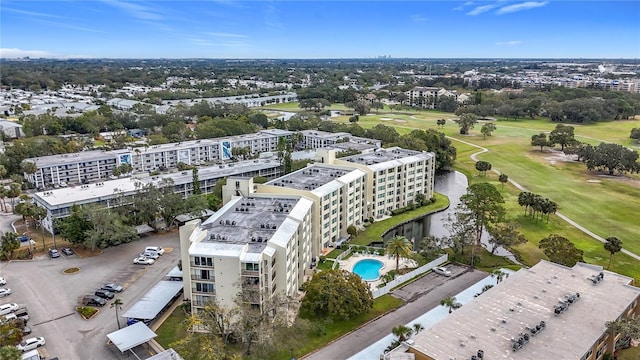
(86, 311)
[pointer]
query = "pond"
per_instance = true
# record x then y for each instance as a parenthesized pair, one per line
(453, 185)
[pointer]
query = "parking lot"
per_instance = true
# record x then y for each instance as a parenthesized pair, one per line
(51, 296)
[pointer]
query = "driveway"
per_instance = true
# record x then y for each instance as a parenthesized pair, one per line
(51, 296)
(423, 294)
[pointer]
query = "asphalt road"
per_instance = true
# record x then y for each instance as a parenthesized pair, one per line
(51, 296)
(423, 294)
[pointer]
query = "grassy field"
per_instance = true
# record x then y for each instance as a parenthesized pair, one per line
(608, 206)
(172, 328)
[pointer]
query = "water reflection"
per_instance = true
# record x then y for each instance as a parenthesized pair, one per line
(453, 185)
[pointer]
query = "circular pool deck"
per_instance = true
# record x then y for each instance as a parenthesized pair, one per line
(388, 262)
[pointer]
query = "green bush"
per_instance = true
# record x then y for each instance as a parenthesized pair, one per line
(86, 311)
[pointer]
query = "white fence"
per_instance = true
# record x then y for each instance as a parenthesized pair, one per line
(408, 276)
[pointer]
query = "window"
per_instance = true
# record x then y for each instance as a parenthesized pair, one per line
(202, 261)
(252, 267)
(204, 287)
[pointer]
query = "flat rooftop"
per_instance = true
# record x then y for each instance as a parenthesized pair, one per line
(325, 134)
(81, 194)
(216, 171)
(360, 146)
(309, 178)
(381, 155)
(72, 158)
(251, 220)
(514, 306)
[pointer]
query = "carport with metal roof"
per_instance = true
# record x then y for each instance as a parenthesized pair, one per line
(154, 301)
(131, 336)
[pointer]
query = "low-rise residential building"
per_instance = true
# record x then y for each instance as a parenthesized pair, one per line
(546, 312)
(315, 139)
(258, 246)
(11, 129)
(113, 193)
(427, 97)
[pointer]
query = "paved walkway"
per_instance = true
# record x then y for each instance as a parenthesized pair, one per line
(371, 332)
(560, 215)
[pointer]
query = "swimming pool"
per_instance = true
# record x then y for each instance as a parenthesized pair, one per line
(368, 269)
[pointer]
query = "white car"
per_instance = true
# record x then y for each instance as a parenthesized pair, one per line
(143, 260)
(31, 343)
(5, 292)
(156, 249)
(3, 281)
(150, 254)
(8, 308)
(442, 271)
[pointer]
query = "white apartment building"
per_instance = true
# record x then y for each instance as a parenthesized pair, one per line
(315, 139)
(339, 197)
(397, 176)
(259, 246)
(113, 193)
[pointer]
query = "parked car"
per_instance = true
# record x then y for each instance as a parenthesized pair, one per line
(21, 315)
(53, 253)
(105, 294)
(150, 254)
(156, 249)
(26, 330)
(112, 287)
(24, 238)
(67, 251)
(3, 281)
(31, 343)
(8, 308)
(442, 271)
(143, 261)
(92, 300)
(5, 292)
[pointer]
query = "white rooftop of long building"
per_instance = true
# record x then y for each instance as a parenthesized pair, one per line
(384, 158)
(494, 319)
(216, 171)
(72, 158)
(87, 193)
(315, 176)
(251, 221)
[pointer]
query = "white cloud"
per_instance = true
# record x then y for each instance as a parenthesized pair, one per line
(30, 13)
(136, 10)
(10, 53)
(509, 43)
(520, 7)
(418, 18)
(480, 9)
(226, 35)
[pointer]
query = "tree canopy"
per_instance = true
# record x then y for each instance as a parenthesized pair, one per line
(560, 250)
(335, 294)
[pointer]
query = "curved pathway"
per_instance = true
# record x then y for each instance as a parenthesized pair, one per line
(560, 215)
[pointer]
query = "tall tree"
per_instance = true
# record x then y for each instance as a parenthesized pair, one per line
(560, 250)
(10, 352)
(627, 327)
(10, 243)
(483, 167)
(487, 129)
(613, 245)
(335, 294)
(540, 140)
(484, 202)
(403, 332)
(466, 122)
(399, 247)
(563, 135)
(117, 304)
(504, 234)
(503, 178)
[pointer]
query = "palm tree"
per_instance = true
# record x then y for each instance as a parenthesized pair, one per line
(402, 332)
(399, 247)
(451, 303)
(117, 304)
(498, 274)
(503, 178)
(613, 245)
(9, 243)
(417, 327)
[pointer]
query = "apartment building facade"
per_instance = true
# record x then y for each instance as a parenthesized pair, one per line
(258, 246)
(397, 177)
(113, 193)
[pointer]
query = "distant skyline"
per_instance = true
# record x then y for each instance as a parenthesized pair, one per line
(307, 29)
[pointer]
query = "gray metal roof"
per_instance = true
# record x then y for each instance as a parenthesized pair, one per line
(168, 354)
(150, 305)
(131, 336)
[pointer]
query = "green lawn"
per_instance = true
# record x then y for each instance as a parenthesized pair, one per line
(375, 231)
(172, 328)
(608, 208)
(335, 329)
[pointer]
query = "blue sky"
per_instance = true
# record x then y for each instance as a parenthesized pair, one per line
(320, 29)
